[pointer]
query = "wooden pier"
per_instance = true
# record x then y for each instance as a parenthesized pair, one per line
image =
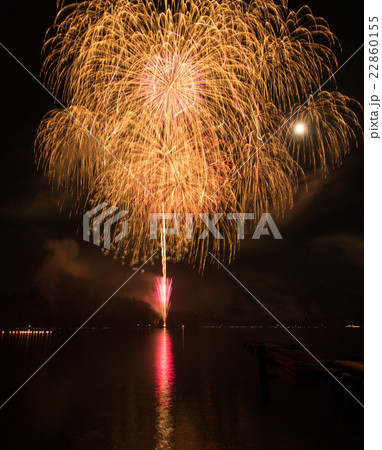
(289, 358)
(296, 361)
(274, 358)
(346, 369)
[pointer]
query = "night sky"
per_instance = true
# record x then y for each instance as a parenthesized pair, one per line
(314, 275)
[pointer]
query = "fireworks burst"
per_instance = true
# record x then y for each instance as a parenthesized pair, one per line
(178, 103)
(163, 293)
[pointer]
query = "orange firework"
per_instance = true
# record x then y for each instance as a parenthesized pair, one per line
(176, 105)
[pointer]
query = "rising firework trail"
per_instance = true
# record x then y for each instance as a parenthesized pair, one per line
(187, 104)
(163, 284)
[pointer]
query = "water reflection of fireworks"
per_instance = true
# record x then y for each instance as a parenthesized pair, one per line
(164, 390)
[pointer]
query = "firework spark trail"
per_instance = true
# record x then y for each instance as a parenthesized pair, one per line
(163, 293)
(163, 245)
(182, 93)
(163, 285)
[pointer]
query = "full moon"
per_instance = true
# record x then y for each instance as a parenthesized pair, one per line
(299, 128)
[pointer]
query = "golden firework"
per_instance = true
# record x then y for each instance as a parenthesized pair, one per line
(178, 105)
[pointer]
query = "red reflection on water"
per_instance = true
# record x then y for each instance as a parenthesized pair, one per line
(164, 389)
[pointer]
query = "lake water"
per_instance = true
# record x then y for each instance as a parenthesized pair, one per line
(181, 389)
